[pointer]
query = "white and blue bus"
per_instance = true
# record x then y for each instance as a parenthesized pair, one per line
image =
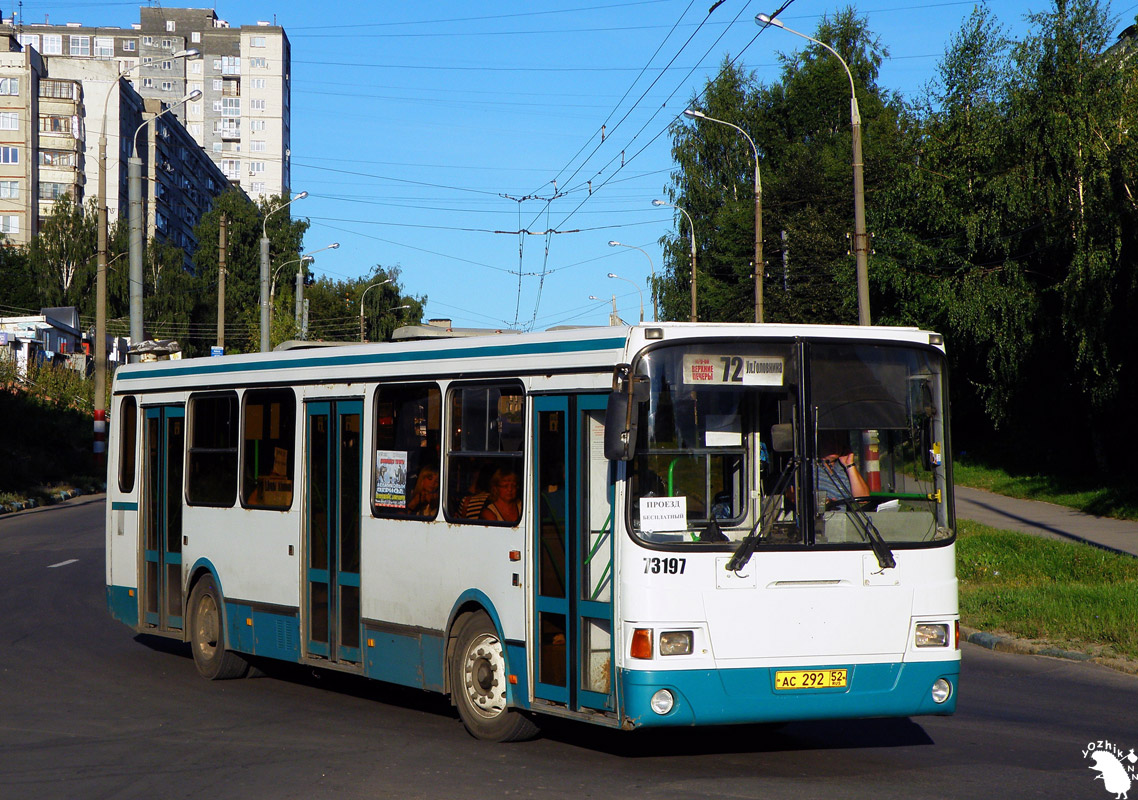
(662, 525)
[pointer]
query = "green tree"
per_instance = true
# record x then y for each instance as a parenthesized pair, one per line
(333, 307)
(20, 291)
(1071, 112)
(801, 126)
(62, 255)
(244, 221)
(944, 258)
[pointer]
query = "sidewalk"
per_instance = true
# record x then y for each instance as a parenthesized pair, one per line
(1046, 519)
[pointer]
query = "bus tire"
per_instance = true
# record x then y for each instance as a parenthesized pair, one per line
(478, 684)
(207, 635)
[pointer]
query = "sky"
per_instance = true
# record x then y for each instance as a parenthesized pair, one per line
(427, 135)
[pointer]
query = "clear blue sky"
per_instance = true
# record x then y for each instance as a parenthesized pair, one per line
(411, 121)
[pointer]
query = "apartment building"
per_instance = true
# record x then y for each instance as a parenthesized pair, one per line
(19, 124)
(52, 112)
(243, 118)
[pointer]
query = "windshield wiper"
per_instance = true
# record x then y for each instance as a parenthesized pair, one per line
(762, 526)
(866, 528)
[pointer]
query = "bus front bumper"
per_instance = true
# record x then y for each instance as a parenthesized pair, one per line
(738, 696)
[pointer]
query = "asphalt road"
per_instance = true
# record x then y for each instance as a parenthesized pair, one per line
(88, 710)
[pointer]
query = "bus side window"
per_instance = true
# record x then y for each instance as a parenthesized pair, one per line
(212, 473)
(407, 428)
(267, 449)
(128, 427)
(486, 426)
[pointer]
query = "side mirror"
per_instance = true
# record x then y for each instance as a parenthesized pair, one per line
(620, 427)
(622, 413)
(782, 437)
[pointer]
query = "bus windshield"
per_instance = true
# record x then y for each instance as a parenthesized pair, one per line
(794, 444)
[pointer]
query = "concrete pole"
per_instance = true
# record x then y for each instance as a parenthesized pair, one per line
(758, 240)
(299, 297)
(100, 446)
(861, 244)
(222, 244)
(265, 294)
(134, 174)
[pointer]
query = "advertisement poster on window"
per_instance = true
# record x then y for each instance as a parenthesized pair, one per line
(391, 478)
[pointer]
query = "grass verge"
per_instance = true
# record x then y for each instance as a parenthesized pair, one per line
(1065, 594)
(1119, 500)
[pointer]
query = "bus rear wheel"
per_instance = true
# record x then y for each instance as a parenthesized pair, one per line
(478, 684)
(207, 635)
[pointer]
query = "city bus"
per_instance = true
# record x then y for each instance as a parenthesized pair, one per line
(668, 524)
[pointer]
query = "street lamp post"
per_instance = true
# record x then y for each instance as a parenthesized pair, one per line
(694, 114)
(614, 317)
(134, 183)
(861, 243)
(304, 259)
(652, 268)
(691, 224)
(265, 291)
(100, 426)
(634, 286)
(273, 289)
(384, 282)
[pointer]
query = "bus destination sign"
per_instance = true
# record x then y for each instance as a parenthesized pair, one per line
(704, 369)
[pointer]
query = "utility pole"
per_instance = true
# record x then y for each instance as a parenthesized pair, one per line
(861, 241)
(134, 173)
(299, 298)
(222, 244)
(785, 263)
(759, 270)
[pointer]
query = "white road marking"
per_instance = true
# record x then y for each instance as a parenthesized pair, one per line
(63, 563)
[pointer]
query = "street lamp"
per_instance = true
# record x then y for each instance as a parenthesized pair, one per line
(614, 318)
(691, 224)
(695, 114)
(383, 282)
(265, 291)
(861, 244)
(302, 261)
(652, 268)
(134, 180)
(637, 288)
(273, 290)
(100, 426)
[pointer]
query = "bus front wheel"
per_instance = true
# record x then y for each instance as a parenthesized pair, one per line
(207, 635)
(478, 684)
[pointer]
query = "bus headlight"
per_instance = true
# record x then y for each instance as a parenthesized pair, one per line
(941, 691)
(675, 643)
(931, 635)
(662, 702)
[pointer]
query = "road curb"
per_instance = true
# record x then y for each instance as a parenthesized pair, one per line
(1009, 644)
(55, 498)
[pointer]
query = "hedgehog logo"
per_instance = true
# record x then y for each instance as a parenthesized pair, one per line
(1117, 771)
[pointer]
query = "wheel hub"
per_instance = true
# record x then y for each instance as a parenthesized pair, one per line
(484, 667)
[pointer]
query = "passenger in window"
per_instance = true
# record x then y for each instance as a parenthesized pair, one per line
(424, 499)
(477, 495)
(503, 504)
(836, 477)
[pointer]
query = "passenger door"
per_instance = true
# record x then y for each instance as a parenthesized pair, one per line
(332, 529)
(573, 548)
(163, 448)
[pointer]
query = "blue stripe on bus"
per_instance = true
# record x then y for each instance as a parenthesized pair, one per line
(414, 660)
(730, 696)
(123, 505)
(122, 602)
(215, 366)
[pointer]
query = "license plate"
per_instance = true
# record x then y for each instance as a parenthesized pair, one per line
(810, 679)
